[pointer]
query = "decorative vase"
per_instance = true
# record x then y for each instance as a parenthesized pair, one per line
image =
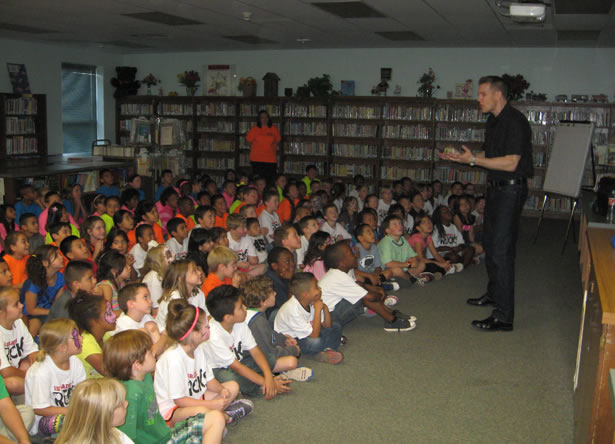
(249, 91)
(149, 90)
(191, 90)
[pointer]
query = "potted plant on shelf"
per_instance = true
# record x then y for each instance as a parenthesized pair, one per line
(149, 81)
(427, 84)
(247, 85)
(190, 79)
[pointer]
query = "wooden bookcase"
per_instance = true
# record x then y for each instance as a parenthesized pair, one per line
(23, 130)
(382, 138)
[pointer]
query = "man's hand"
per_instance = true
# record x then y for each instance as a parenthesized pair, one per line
(464, 157)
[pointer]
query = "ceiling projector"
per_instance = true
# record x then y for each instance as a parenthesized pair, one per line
(528, 12)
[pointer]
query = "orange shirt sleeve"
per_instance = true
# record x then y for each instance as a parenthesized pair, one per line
(221, 221)
(18, 268)
(158, 233)
(284, 210)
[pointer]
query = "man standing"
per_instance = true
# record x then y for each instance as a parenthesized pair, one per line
(508, 158)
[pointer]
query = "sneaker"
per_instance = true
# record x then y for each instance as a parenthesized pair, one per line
(398, 314)
(368, 313)
(476, 260)
(329, 356)
(458, 267)
(390, 286)
(344, 339)
(390, 300)
(426, 277)
(437, 276)
(399, 325)
(238, 409)
(299, 374)
(451, 270)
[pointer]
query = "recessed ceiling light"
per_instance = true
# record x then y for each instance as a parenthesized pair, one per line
(304, 40)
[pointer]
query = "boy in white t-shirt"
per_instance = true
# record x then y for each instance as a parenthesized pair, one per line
(178, 238)
(145, 240)
(136, 305)
(308, 226)
(268, 218)
(257, 239)
(331, 226)
(385, 202)
(346, 298)
(19, 350)
(233, 350)
(306, 317)
(240, 243)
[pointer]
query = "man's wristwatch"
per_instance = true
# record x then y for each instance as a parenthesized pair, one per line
(473, 161)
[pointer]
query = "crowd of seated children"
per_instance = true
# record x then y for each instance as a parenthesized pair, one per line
(122, 286)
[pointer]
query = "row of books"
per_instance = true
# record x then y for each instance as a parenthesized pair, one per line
(354, 150)
(356, 112)
(354, 130)
(215, 164)
(407, 152)
(21, 145)
(20, 125)
(298, 167)
(216, 126)
(252, 110)
(451, 113)
(21, 105)
(600, 117)
(416, 132)
(536, 116)
(534, 202)
(395, 173)
(539, 158)
(542, 136)
(351, 170)
(224, 109)
(213, 144)
(244, 160)
(303, 110)
(404, 112)
(306, 148)
(88, 181)
(535, 182)
(449, 174)
(136, 109)
(452, 133)
(175, 109)
(306, 128)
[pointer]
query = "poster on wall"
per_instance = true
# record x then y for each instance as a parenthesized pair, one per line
(464, 90)
(19, 78)
(219, 80)
(347, 88)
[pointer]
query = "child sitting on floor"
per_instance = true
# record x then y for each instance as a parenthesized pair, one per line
(313, 261)
(178, 238)
(421, 242)
(112, 206)
(78, 275)
(28, 224)
(256, 238)
(331, 225)
(281, 270)
(240, 243)
(222, 265)
(154, 268)
(18, 252)
(448, 240)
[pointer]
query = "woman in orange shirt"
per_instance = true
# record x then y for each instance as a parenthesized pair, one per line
(264, 139)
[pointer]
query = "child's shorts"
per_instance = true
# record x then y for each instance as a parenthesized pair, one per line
(189, 431)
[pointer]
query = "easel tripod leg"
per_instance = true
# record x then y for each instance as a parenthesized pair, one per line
(573, 207)
(542, 213)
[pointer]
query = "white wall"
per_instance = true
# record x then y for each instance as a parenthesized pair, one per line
(44, 66)
(549, 70)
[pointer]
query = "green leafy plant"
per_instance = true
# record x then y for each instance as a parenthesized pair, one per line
(427, 81)
(516, 86)
(317, 87)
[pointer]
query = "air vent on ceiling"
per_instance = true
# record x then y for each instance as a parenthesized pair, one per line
(400, 36)
(583, 6)
(23, 28)
(578, 36)
(349, 9)
(161, 17)
(250, 39)
(125, 44)
(146, 35)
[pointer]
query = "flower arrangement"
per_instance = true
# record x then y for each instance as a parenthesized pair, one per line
(150, 80)
(427, 83)
(189, 79)
(246, 83)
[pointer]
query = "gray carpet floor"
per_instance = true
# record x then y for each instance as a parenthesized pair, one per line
(445, 382)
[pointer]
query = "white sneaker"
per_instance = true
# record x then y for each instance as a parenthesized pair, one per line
(299, 374)
(458, 267)
(450, 270)
(390, 286)
(390, 300)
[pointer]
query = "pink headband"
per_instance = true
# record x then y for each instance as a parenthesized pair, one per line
(196, 318)
(182, 183)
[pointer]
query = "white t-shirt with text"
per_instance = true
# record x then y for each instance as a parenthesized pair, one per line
(225, 347)
(17, 345)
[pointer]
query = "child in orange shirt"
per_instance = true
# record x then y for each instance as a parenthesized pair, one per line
(18, 247)
(185, 208)
(222, 264)
(219, 204)
(147, 212)
(125, 221)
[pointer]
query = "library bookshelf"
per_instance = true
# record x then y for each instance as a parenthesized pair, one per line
(382, 138)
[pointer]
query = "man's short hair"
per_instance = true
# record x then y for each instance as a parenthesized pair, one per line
(497, 83)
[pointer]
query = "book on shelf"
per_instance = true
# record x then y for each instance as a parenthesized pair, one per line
(213, 144)
(354, 150)
(306, 128)
(350, 170)
(355, 112)
(539, 158)
(421, 153)
(244, 159)
(456, 134)
(389, 172)
(20, 126)
(554, 204)
(456, 113)
(407, 112)
(21, 145)
(140, 131)
(215, 164)
(414, 132)
(136, 109)
(176, 109)
(215, 109)
(354, 130)
(448, 174)
(88, 181)
(216, 126)
(600, 116)
(252, 109)
(21, 105)
(535, 116)
(298, 167)
(304, 110)
(306, 148)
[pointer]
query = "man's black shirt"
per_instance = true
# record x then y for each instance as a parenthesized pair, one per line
(509, 133)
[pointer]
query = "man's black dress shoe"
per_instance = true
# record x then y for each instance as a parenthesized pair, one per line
(483, 301)
(492, 324)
